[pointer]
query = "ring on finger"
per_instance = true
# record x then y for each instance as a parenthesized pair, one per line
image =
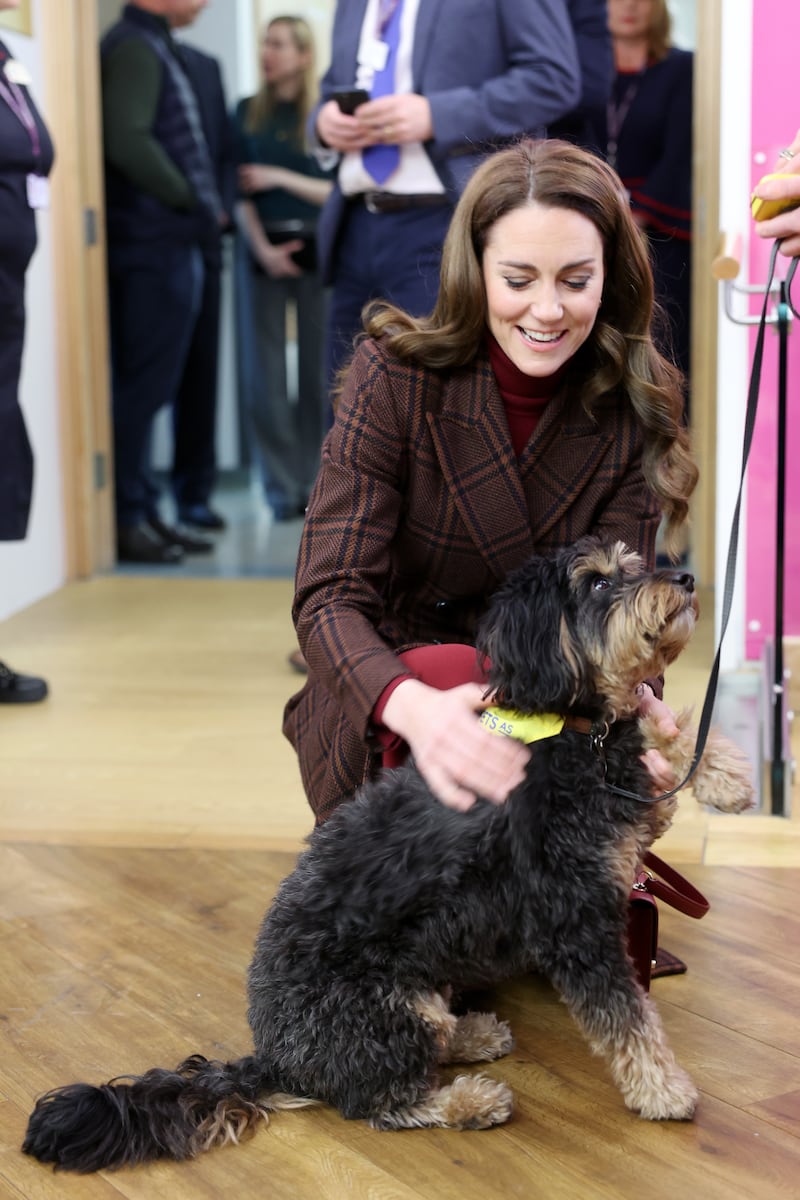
(786, 153)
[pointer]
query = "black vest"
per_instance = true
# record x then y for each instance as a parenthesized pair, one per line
(133, 215)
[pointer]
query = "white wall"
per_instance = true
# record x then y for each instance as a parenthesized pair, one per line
(33, 568)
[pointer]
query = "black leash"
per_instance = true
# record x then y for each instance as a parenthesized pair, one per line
(730, 569)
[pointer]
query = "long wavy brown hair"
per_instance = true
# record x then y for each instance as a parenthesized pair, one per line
(619, 356)
(261, 106)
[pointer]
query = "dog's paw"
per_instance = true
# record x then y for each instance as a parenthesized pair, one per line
(478, 1102)
(673, 1099)
(479, 1037)
(724, 777)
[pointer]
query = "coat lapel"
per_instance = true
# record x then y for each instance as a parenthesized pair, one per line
(472, 443)
(510, 507)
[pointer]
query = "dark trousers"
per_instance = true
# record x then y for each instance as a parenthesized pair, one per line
(154, 300)
(388, 256)
(194, 459)
(16, 458)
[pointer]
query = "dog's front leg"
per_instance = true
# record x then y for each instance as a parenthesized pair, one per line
(724, 776)
(622, 1025)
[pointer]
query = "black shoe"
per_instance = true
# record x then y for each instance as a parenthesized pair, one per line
(20, 689)
(177, 535)
(141, 544)
(201, 517)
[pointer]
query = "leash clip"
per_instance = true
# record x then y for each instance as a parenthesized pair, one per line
(597, 737)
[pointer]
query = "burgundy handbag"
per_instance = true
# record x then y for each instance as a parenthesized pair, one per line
(661, 880)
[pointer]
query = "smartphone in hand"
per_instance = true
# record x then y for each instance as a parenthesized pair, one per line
(349, 101)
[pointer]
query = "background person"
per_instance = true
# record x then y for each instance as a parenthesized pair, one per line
(194, 425)
(531, 407)
(446, 89)
(645, 133)
(589, 20)
(26, 158)
(284, 188)
(162, 205)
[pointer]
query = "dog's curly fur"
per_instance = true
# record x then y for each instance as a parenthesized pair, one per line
(398, 898)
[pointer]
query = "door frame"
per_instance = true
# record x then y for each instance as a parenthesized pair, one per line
(71, 61)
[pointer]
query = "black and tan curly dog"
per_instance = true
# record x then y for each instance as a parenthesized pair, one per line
(398, 899)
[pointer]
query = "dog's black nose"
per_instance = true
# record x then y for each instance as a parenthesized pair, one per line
(684, 580)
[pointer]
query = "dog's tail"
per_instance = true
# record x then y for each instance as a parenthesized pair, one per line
(161, 1114)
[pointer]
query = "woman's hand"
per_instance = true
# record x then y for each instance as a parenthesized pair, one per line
(660, 771)
(456, 756)
(277, 261)
(786, 226)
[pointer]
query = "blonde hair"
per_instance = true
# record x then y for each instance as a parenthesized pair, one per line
(659, 35)
(619, 356)
(261, 106)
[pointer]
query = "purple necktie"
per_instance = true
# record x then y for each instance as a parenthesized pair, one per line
(380, 161)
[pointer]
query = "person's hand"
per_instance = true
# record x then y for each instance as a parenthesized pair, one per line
(396, 119)
(456, 756)
(659, 769)
(786, 226)
(256, 177)
(277, 261)
(340, 131)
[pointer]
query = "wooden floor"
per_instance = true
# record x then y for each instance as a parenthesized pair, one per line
(148, 811)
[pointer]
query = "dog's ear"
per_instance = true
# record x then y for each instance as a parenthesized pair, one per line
(526, 636)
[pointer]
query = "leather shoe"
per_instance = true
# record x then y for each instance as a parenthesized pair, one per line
(20, 689)
(201, 516)
(141, 544)
(177, 535)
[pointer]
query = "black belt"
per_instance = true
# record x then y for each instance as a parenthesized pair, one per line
(387, 202)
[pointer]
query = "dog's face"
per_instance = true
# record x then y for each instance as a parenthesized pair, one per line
(583, 628)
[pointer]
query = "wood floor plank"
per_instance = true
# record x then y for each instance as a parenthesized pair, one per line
(148, 812)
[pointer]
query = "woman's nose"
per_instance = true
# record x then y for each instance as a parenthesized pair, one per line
(545, 304)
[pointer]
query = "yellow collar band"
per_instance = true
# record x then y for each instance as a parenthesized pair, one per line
(531, 727)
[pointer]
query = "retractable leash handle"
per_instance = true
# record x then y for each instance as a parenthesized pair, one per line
(733, 541)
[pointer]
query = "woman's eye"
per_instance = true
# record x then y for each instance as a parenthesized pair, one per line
(517, 284)
(600, 584)
(576, 285)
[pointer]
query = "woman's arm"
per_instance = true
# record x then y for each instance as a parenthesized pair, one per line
(256, 177)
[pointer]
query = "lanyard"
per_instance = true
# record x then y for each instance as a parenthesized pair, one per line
(16, 101)
(615, 117)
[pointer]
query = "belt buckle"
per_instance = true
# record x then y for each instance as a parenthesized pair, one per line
(371, 202)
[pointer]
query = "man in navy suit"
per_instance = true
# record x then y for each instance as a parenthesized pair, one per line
(194, 461)
(467, 76)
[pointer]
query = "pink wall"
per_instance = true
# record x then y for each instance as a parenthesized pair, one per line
(775, 118)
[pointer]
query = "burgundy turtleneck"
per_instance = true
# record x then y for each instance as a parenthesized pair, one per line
(524, 396)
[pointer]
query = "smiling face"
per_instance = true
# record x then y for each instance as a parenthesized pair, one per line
(543, 275)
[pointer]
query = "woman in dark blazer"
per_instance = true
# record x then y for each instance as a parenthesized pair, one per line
(530, 408)
(26, 156)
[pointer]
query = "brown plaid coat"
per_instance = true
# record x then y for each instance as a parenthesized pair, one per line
(419, 511)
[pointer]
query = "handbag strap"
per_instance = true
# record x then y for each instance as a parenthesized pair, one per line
(671, 887)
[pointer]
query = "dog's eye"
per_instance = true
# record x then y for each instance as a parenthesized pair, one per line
(600, 583)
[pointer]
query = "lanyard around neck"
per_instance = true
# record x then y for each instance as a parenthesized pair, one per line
(16, 100)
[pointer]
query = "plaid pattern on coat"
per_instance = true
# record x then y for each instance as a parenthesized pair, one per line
(421, 508)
